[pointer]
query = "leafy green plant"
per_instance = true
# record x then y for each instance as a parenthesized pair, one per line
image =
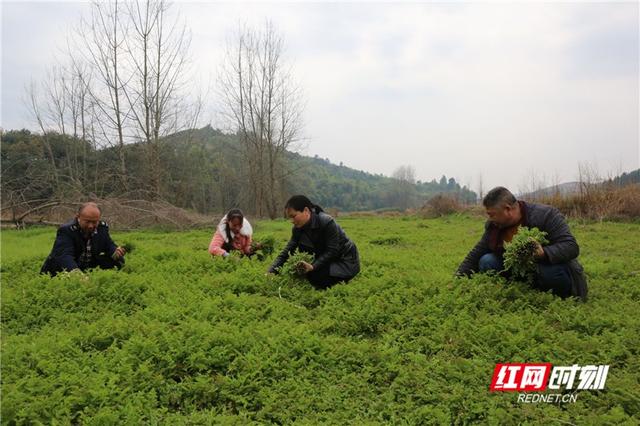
(519, 257)
(293, 270)
(389, 241)
(182, 339)
(263, 247)
(128, 246)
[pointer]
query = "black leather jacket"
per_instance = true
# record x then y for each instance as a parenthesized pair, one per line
(326, 240)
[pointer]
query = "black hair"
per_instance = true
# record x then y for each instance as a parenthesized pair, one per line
(498, 196)
(233, 214)
(299, 202)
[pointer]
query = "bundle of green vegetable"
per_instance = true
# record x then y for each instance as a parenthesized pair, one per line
(263, 247)
(519, 257)
(293, 270)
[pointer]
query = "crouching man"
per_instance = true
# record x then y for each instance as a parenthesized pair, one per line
(83, 243)
(558, 269)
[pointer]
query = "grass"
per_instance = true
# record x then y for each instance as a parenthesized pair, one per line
(177, 337)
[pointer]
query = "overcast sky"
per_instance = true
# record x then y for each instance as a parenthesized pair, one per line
(505, 90)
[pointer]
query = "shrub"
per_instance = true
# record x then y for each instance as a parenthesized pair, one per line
(388, 241)
(598, 202)
(440, 205)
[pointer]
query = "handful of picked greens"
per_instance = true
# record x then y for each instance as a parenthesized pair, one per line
(519, 257)
(293, 269)
(263, 247)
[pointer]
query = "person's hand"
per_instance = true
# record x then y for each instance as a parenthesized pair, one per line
(118, 253)
(306, 266)
(234, 256)
(539, 251)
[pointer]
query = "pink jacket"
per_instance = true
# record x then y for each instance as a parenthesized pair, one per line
(240, 242)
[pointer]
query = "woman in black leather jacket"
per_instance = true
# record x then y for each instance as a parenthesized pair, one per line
(336, 257)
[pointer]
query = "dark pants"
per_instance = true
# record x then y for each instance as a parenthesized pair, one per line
(556, 278)
(102, 261)
(321, 279)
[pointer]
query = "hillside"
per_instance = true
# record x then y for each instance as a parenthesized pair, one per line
(328, 184)
(570, 188)
(201, 170)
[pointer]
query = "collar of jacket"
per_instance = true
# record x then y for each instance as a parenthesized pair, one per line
(524, 211)
(79, 230)
(314, 221)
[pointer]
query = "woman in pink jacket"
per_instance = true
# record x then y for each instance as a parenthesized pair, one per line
(233, 233)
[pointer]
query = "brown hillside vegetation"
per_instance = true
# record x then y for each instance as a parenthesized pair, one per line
(119, 213)
(598, 202)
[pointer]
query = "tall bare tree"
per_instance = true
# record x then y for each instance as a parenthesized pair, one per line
(480, 187)
(264, 106)
(157, 51)
(65, 111)
(404, 186)
(36, 105)
(123, 79)
(99, 42)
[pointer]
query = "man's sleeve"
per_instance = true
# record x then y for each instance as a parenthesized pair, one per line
(562, 245)
(470, 263)
(64, 250)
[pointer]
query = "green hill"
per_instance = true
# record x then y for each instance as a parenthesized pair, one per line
(328, 184)
(201, 169)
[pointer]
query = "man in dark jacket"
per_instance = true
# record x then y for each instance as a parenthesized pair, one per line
(314, 231)
(558, 268)
(83, 243)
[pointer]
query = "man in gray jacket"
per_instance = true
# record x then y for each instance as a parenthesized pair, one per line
(558, 268)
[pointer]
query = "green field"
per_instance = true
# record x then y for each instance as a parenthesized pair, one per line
(180, 338)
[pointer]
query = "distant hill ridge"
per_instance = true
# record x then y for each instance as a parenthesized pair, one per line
(569, 188)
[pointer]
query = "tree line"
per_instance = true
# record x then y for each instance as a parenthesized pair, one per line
(123, 84)
(117, 117)
(201, 173)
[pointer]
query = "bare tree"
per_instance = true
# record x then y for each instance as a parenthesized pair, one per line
(35, 105)
(406, 174)
(404, 186)
(100, 43)
(157, 53)
(55, 91)
(80, 109)
(588, 178)
(264, 106)
(131, 60)
(480, 187)
(64, 103)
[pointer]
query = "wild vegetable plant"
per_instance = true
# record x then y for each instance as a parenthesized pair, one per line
(519, 257)
(263, 247)
(128, 246)
(293, 271)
